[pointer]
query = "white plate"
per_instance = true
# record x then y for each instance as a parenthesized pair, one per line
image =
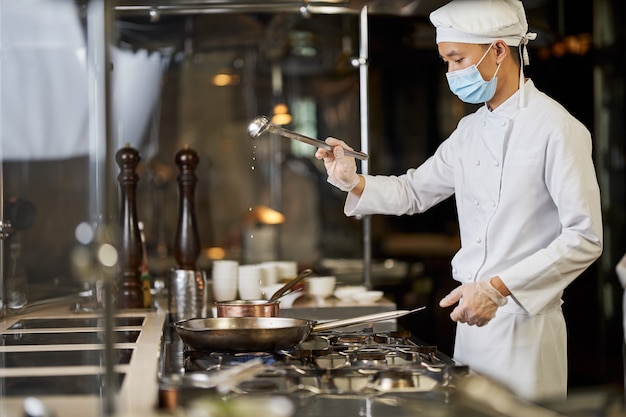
(345, 293)
(367, 297)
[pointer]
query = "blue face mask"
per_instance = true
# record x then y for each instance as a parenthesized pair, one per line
(469, 85)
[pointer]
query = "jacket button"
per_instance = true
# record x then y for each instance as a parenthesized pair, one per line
(478, 240)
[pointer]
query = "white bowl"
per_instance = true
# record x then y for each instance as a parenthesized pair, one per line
(367, 297)
(345, 293)
(321, 287)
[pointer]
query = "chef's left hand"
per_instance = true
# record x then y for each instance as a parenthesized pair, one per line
(478, 303)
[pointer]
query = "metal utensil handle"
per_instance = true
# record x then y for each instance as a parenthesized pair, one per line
(283, 290)
(370, 318)
(315, 142)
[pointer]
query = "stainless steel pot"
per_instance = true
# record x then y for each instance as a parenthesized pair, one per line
(262, 333)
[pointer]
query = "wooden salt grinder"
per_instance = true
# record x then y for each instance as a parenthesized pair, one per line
(187, 240)
(129, 291)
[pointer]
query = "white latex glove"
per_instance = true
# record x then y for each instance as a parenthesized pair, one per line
(341, 169)
(478, 303)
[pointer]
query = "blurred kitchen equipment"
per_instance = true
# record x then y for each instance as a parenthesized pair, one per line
(263, 333)
(230, 378)
(262, 124)
(19, 215)
(487, 396)
(260, 234)
(187, 294)
(188, 286)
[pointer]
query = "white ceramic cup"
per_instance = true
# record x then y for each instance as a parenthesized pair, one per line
(269, 272)
(320, 288)
(224, 278)
(249, 282)
(286, 270)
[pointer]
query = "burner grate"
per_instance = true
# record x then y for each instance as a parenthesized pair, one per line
(334, 362)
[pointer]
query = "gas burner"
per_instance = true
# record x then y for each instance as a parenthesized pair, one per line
(414, 353)
(194, 360)
(351, 339)
(333, 361)
(398, 337)
(370, 357)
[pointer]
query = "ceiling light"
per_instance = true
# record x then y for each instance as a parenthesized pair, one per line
(281, 115)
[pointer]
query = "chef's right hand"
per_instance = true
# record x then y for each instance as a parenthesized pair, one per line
(478, 302)
(341, 169)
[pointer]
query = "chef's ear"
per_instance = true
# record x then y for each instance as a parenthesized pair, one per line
(502, 50)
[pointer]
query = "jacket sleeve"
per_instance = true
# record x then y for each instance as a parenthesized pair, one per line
(620, 269)
(413, 192)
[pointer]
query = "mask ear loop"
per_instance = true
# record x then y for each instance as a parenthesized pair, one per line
(525, 60)
(485, 54)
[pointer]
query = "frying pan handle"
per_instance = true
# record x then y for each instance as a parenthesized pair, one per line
(369, 318)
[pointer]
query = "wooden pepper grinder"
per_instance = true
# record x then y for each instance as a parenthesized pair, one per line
(129, 292)
(187, 240)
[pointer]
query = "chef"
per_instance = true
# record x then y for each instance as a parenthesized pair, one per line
(521, 171)
(620, 270)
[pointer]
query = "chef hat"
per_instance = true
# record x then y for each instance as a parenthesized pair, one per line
(481, 21)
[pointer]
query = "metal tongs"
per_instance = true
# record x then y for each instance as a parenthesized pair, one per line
(262, 124)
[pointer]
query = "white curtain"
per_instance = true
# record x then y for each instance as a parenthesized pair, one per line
(44, 85)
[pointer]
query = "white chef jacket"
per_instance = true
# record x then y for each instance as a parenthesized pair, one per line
(528, 206)
(620, 269)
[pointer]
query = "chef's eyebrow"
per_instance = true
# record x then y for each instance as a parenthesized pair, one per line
(450, 55)
(453, 52)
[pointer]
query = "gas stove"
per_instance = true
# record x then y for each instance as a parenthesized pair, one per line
(385, 369)
(336, 362)
(336, 373)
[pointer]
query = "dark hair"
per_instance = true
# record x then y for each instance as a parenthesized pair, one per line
(513, 51)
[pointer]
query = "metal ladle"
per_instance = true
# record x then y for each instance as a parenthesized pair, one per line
(262, 124)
